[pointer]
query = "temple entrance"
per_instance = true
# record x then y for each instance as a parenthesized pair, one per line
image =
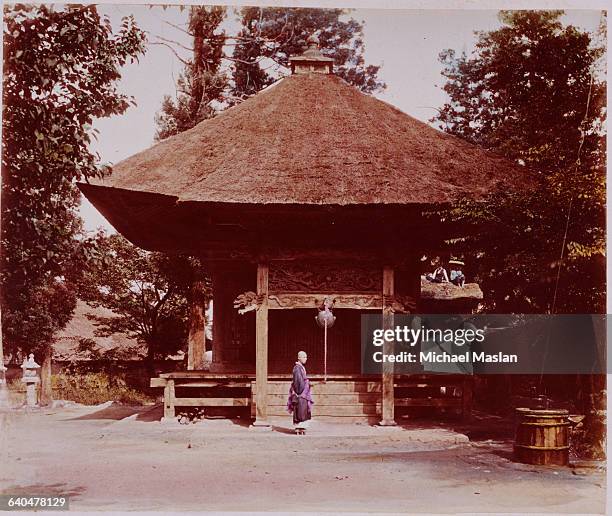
(293, 330)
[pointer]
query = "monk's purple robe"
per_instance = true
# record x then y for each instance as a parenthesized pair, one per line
(300, 401)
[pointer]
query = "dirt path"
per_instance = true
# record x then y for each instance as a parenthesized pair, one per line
(116, 458)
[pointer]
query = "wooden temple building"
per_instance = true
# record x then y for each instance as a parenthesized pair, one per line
(308, 190)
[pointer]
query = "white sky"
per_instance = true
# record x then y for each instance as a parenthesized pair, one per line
(405, 42)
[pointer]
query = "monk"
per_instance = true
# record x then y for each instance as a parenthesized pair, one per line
(300, 399)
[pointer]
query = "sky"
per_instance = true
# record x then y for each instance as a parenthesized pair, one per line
(406, 44)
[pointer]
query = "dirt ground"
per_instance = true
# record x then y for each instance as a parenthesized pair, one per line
(120, 458)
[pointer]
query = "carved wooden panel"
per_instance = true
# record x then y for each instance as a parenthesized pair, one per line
(322, 277)
(288, 300)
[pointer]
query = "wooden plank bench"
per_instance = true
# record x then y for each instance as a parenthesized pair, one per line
(171, 381)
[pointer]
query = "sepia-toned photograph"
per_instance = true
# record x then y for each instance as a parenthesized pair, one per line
(288, 259)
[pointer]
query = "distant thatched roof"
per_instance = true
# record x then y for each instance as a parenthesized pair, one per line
(80, 327)
(312, 139)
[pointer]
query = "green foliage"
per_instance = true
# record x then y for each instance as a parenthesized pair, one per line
(248, 76)
(147, 292)
(61, 65)
(88, 388)
(531, 91)
(95, 388)
(524, 91)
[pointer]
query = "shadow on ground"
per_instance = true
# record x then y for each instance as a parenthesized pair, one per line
(282, 430)
(481, 427)
(58, 489)
(117, 411)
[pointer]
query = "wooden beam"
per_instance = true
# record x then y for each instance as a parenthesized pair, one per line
(356, 300)
(261, 347)
(205, 375)
(202, 384)
(247, 301)
(169, 412)
(325, 399)
(332, 386)
(158, 382)
(212, 402)
(388, 402)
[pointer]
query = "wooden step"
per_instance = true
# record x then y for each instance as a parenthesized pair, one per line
(332, 399)
(212, 402)
(326, 388)
(338, 410)
(370, 420)
(364, 420)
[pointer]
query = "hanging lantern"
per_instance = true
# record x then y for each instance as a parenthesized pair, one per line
(325, 319)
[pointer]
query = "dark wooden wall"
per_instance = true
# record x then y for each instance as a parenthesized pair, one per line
(291, 331)
(233, 333)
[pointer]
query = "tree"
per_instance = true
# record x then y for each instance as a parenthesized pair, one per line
(202, 82)
(531, 91)
(248, 76)
(61, 66)
(148, 293)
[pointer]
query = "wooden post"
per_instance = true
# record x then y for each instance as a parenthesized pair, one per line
(388, 395)
(261, 348)
(197, 323)
(169, 412)
(220, 315)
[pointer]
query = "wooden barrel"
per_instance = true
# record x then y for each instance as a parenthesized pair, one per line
(542, 436)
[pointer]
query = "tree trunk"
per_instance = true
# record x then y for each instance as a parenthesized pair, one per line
(46, 389)
(197, 324)
(151, 358)
(197, 86)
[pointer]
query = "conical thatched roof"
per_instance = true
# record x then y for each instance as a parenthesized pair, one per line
(312, 139)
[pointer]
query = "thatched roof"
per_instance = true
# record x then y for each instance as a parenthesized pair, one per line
(81, 327)
(312, 139)
(449, 291)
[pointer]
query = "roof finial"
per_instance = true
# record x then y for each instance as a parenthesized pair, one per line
(313, 42)
(311, 61)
